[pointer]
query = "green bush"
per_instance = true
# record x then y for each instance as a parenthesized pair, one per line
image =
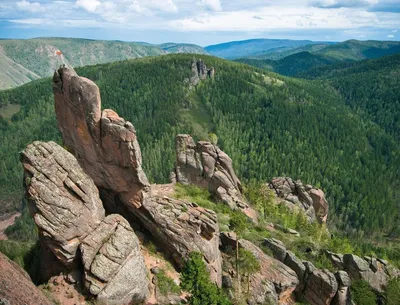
(362, 293)
(165, 284)
(392, 294)
(196, 280)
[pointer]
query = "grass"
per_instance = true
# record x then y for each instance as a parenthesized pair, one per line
(8, 111)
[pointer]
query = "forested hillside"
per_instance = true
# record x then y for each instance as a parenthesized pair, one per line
(291, 65)
(24, 60)
(310, 60)
(270, 125)
(370, 87)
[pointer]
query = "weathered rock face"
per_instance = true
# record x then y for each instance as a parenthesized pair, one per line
(114, 266)
(274, 283)
(104, 144)
(294, 263)
(200, 72)
(321, 286)
(277, 247)
(62, 198)
(374, 271)
(306, 198)
(343, 295)
(182, 227)
(16, 288)
(205, 165)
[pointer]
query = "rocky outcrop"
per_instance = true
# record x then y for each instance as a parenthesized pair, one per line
(277, 247)
(200, 72)
(181, 227)
(104, 144)
(321, 286)
(274, 283)
(62, 198)
(114, 266)
(205, 165)
(16, 287)
(294, 263)
(306, 198)
(372, 271)
(343, 295)
(67, 209)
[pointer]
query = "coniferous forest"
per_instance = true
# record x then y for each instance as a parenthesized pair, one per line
(333, 133)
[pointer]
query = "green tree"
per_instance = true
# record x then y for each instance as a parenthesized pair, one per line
(238, 224)
(248, 265)
(196, 280)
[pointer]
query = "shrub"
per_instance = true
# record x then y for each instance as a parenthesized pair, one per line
(165, 284)
(362, 293)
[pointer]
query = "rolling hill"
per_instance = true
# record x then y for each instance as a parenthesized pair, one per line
(24, 60)
(269, 124)
(255, 47)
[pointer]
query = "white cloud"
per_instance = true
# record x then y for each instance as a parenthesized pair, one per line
(213, 5)
(280, 17)
(390, 36)
(89, 5)
(33, 7)
(394, 31)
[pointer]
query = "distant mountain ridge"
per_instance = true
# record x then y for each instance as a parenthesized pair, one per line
(256, 47)
(316, 57)
(24, 60)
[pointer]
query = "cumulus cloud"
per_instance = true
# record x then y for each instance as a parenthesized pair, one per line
(278, 17)
(33, 7)
(213, 5)
(390, 36)
(89, 5)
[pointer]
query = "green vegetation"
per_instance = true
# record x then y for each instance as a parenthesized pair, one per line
(269, 125)
(165, 284)
(23, 229)
(362, 293)
(196, 280)
(9, 110)
(248, 265)
(392, 295)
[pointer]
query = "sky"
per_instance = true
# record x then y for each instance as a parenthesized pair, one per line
(203, 22)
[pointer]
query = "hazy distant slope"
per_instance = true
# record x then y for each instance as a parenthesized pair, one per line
(279, 53)
(172, 47)
(13, 74)
(253, 47)
(359, 50)
(37, 57)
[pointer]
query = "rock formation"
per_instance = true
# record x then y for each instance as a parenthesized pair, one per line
(114, 266)
(67, 209)
(104, 144)
(343, 295)
(205, 165)
(200, 72)
(305, 198)
(320, 288)
(374, 272)
(62, 198)
(16, 287)
(274, 283)
(181, 227)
